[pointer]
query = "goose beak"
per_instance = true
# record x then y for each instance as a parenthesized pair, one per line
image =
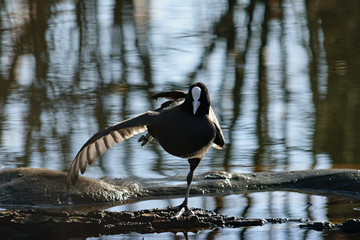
(196, 92)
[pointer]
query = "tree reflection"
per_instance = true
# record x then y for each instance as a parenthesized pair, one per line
(333, 67)
(107, 65)
(336, 131)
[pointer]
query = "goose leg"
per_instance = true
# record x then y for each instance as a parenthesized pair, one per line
(184, 208)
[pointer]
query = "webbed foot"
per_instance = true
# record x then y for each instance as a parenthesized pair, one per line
(144, 139)
(182, 209)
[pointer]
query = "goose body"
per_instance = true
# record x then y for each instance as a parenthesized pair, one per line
(185, 126)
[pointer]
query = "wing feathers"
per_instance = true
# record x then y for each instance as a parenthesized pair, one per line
(219, 141)
(91, 154)
(117, 137)
(82, 163)
(107, 138)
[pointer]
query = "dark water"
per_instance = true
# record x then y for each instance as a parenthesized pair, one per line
(284, 81)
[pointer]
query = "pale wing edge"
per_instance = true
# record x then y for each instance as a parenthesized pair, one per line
(219, 141)
(96, 146)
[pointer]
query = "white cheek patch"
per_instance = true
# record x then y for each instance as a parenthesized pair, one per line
(196, 92)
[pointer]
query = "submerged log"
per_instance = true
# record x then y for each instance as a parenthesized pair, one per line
(348, 226)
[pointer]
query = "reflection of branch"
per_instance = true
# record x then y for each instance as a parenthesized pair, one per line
(7, 82)
(314, 43)
(284, 86)
(224, 28)
(239, 64)
(207, 51)
(38, 18)
(262, 114)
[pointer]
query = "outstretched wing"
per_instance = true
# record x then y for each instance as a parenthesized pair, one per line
(105, 139)
(219, 141)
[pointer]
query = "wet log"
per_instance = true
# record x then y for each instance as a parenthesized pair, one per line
(348, 226)
(39, 223)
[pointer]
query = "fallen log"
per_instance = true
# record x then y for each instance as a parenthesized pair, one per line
(34, 186)
(40, 223)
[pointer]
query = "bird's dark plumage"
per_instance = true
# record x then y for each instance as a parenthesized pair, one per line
(185, 126)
